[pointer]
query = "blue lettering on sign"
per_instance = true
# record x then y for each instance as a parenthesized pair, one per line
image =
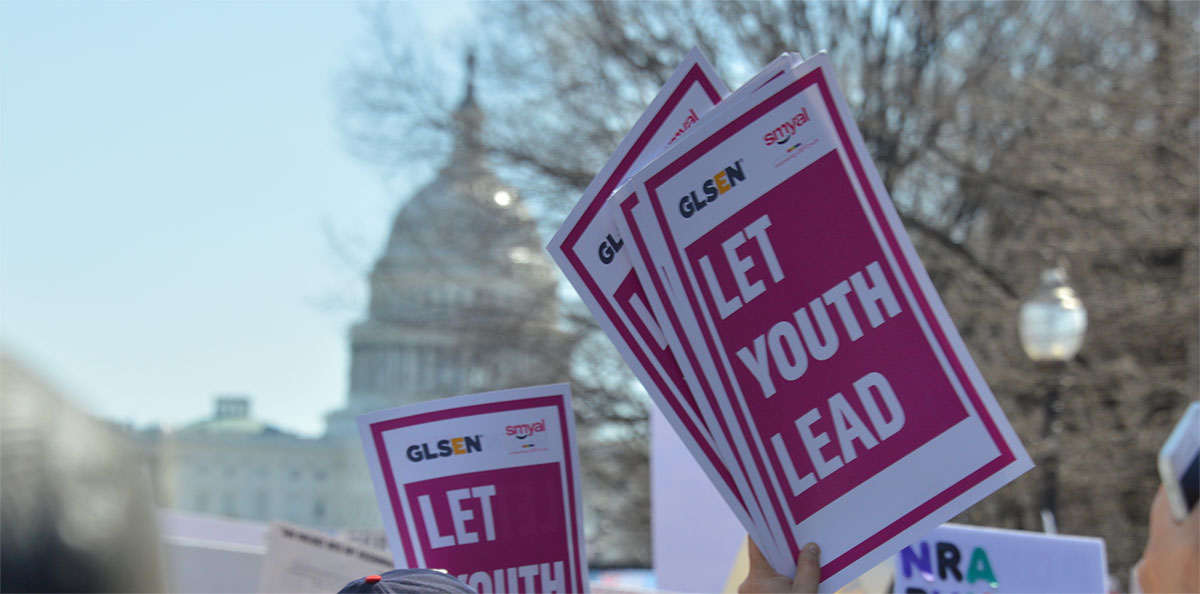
(948, 558)
(445, 447)
(721, 182)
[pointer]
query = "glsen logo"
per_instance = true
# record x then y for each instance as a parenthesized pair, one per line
(784, 132)
(691, 119)
(445, 447)
(526, 430)
(721, 182)
(609, 248)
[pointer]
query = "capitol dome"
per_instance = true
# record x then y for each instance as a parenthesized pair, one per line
(465, 244)
(463, 297)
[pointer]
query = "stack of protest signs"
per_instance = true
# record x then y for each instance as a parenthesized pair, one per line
(741, 252)
(484, 487)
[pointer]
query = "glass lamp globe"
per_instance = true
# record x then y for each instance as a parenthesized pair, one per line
(1052, 322)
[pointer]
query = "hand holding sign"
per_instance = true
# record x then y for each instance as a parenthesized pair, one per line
(763, 579)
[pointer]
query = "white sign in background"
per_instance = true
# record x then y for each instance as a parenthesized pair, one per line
(957, 558)
(303, 560)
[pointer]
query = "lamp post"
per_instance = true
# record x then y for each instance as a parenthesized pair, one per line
(1051, 325)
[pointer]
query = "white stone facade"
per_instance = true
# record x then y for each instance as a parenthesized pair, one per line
(237, 467)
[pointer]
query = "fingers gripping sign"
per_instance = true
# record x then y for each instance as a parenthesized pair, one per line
(763, 579)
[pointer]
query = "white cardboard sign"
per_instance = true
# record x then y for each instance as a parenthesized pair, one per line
(303, 560)
(484, 486)
(968, 559)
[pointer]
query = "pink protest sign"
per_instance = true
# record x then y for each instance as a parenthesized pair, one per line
(774, 253)
(484, 486)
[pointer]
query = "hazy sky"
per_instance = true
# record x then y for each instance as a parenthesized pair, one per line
(167, 173)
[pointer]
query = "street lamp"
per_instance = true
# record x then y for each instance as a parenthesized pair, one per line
(1051, 324)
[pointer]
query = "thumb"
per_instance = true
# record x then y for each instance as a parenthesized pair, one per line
(808, 569)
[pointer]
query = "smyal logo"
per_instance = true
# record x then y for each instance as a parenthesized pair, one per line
(524, 434)
(783, 133)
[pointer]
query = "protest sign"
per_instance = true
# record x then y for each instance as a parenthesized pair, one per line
(955, 558)
(771, 250)
(211, 554)
(302, 560)
(689, 556)
(588, 248)
(484, 486)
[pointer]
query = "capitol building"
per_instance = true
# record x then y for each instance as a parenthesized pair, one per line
(463, 299)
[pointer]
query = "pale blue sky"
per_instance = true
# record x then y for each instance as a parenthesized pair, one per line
(167, 171)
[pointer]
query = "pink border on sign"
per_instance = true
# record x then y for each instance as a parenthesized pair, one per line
(818, 78)
(627, 205)
(695, 76)
(680, 398)
(555, 400)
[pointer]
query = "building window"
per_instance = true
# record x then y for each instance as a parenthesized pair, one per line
(201, 501)
(292, 509)
(410, 367)
(228, 504)
(442, 366)
(402, 365)
(295, 474)
(318, 510)
(319, 474)
(230, 472)
(261, 507)
(422, 369)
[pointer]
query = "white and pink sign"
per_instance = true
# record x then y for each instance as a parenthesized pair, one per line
(793, 300)
(975, 559)
(484, 486)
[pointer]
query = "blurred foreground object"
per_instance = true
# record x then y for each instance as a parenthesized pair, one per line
(77, 513)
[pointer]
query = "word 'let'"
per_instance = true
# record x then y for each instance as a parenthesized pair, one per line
(459, 516)
(809, 332)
